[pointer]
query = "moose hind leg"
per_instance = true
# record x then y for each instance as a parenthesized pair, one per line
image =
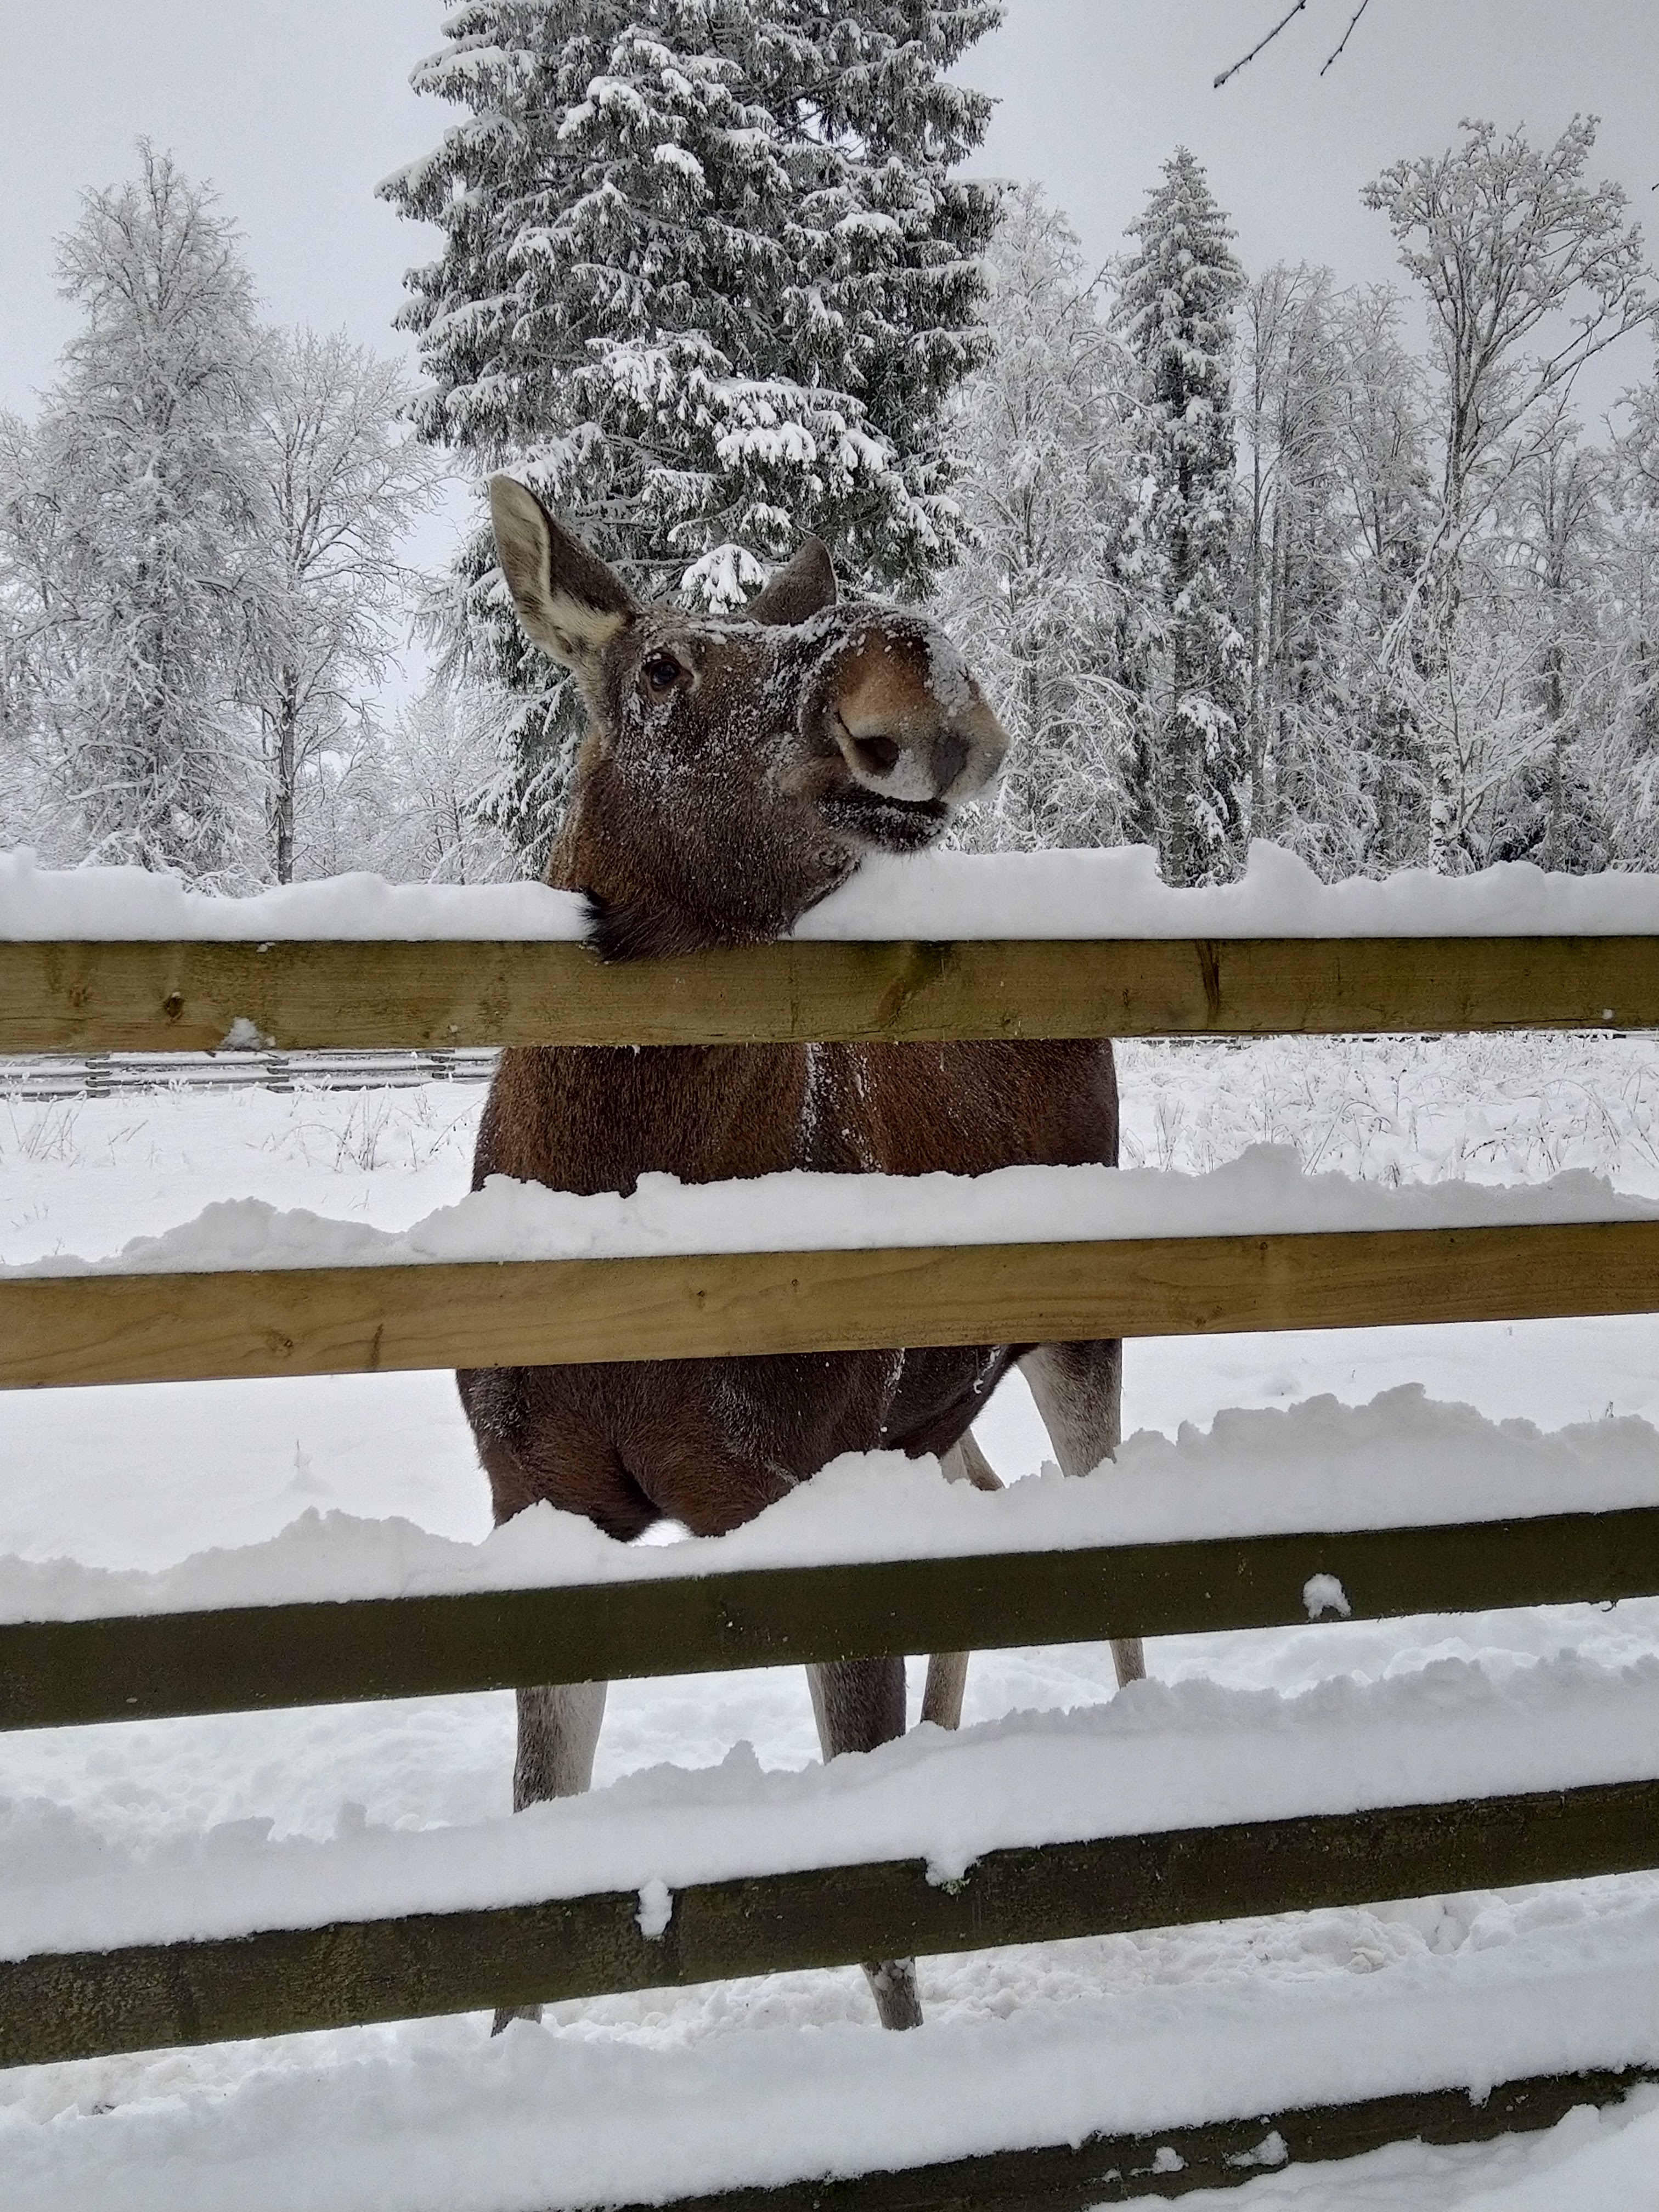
(558, 1735)
(947, 1671)
(1079, 1389)
(859, 1704)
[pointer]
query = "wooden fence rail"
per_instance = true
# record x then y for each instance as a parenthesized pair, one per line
(141, 997)
(258, 1658)
(127, 997)
(1224, 2155)
(57, 1330)
(59, 2005)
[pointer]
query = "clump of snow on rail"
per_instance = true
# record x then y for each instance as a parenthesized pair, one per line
(1401, 1461)
(1118, 893)
(1264, 1192)
(931, 896)
(1160, 1757)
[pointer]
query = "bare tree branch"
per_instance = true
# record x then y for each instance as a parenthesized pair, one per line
(1259, 45)
(1353, 19)
(1290, 13)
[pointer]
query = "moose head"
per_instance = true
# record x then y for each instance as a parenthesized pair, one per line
(738, 767)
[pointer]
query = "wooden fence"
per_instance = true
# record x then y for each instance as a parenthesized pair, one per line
(86, 997)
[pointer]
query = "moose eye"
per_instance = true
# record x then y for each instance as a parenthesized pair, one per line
(661, 673)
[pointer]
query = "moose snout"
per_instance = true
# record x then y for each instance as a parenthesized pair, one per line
(911, 723)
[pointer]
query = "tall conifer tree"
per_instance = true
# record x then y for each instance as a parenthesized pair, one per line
(706, 280)
(1175, 308)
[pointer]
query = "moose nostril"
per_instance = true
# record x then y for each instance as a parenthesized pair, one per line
(878, 755)
(950, 758)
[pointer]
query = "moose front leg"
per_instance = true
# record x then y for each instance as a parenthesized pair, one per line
(859, 1704)
(1079, 1389)
(559, 1728)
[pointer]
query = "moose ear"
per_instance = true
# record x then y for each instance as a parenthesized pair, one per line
(803, 586)
(570, 601)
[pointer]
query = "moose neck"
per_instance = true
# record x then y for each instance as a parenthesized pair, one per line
(665, 879)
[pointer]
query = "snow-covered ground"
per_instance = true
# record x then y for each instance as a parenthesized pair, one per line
(678, 2091)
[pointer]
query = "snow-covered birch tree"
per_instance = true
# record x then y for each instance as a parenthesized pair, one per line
(344, 481)
(438, 755)
(1529, 272)
(706, 277)
(1306, 782)
(1038, 439)
(1176, 294)
(132, 538)
(1625, 719)
(30, 655)
(1549, 811)
(1382, 453)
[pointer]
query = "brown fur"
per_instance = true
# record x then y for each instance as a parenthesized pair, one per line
(710, 1443)
(737, 770)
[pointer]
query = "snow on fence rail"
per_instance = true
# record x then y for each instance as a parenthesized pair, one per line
(62, 1673)
(62, 2004)
(192, 993)
(940, 945)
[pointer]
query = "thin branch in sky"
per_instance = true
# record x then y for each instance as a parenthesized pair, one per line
(1285, 18)
(1261, 43)
(1346, 35)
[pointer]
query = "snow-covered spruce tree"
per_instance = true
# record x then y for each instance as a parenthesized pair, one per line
(1038, 443)
(144, 504)
(1176, 296)
(706, 281)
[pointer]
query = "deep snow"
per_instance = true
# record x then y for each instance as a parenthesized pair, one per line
(1402, 1460)
(1157, 1757)
(1264, 1191)
(742, 2080)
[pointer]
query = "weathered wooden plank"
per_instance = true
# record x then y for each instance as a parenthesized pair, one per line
(254, 1658)
(1112, 2169)
(139, 996)
(61, 1330)
(77, 2004)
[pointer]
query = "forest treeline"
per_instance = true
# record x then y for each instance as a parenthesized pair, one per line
(1248, 562)
(1238, 555)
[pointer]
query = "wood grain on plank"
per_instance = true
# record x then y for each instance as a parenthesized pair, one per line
(67, 1329)
(140, 997)
(60, 1674)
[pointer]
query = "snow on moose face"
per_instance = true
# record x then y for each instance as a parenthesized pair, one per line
(809, 731)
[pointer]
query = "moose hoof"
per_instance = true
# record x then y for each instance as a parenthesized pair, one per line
(507, 2013)
(893, 1985)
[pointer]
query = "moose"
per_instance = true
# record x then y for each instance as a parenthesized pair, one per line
(736, 769)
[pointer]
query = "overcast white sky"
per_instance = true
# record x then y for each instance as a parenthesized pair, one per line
(295, 108)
